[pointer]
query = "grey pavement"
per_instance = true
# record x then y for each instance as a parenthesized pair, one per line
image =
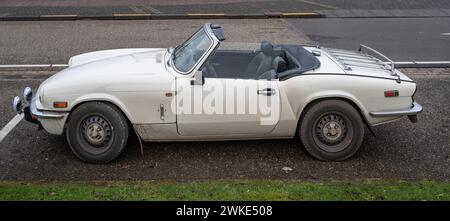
(384, 13)
(385, 4)
(329, 8)
(72, 3)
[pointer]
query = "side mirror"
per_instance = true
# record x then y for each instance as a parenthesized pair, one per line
(199, 79)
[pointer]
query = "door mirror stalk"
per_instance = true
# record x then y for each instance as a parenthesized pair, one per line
(199, 79)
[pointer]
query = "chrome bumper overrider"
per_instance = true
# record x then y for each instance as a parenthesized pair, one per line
(30, 111)
(415, 109)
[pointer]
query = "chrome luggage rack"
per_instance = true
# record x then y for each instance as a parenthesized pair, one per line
(389, 61)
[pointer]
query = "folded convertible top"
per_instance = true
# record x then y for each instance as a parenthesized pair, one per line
(306, 61)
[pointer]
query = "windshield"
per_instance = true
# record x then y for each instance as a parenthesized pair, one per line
(189, 53)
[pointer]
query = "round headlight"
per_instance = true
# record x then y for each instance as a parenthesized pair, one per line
(17, 105)
(27, 94)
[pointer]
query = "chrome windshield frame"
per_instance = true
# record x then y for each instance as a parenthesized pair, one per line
(212, 46)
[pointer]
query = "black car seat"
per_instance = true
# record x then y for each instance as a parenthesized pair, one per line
(262, 62)
(278, 65)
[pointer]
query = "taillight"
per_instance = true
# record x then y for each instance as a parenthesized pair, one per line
(393, 93)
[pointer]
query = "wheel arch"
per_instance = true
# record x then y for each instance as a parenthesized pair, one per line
(113, 102)
(346, 99)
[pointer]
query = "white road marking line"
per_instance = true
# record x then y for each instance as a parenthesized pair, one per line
(22, 79)
(137, 10)
(152, 10)
(318, 4)
(445, 34)
(10, 125)
(32, 65)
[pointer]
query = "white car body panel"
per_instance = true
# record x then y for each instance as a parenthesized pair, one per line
(104, 54)
(234, 122)
(132, 79)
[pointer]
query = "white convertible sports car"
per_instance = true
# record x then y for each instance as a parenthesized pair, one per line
(202, 90)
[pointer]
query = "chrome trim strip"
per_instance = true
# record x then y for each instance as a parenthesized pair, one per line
(416, 108)
(341, 74)
(34, 111)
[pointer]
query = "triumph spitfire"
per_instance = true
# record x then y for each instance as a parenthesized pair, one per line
(202, 90)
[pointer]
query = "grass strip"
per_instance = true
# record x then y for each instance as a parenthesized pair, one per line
(227, 190)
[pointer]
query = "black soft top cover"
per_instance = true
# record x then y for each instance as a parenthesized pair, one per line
(298, 59)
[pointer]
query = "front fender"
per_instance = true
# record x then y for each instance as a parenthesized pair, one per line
(105, 98)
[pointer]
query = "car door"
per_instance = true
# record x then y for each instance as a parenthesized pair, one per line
(227, 107)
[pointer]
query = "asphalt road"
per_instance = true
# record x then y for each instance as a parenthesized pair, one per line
(56, 41)
(401, 39)
(401, 150)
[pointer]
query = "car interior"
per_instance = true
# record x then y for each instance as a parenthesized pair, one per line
(268, 62)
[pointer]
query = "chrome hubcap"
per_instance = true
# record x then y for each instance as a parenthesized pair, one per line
(331, 129)
(96, 130)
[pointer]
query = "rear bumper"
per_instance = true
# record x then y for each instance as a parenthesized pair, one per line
(411, 112)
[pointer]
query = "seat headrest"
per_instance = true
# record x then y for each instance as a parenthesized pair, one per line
(267, 48)
(279, 64)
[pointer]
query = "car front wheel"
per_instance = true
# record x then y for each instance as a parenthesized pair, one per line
(97, 132)
(331, 130)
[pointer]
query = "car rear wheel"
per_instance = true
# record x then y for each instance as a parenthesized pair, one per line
(97, 132)
(331, 130)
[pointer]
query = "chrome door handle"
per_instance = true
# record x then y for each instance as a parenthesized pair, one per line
(267, 91)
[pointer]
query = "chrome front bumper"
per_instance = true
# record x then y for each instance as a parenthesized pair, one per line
(412, 112)
(40, 114)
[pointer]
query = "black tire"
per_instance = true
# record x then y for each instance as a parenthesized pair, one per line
(97, 132)
(331, 130)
